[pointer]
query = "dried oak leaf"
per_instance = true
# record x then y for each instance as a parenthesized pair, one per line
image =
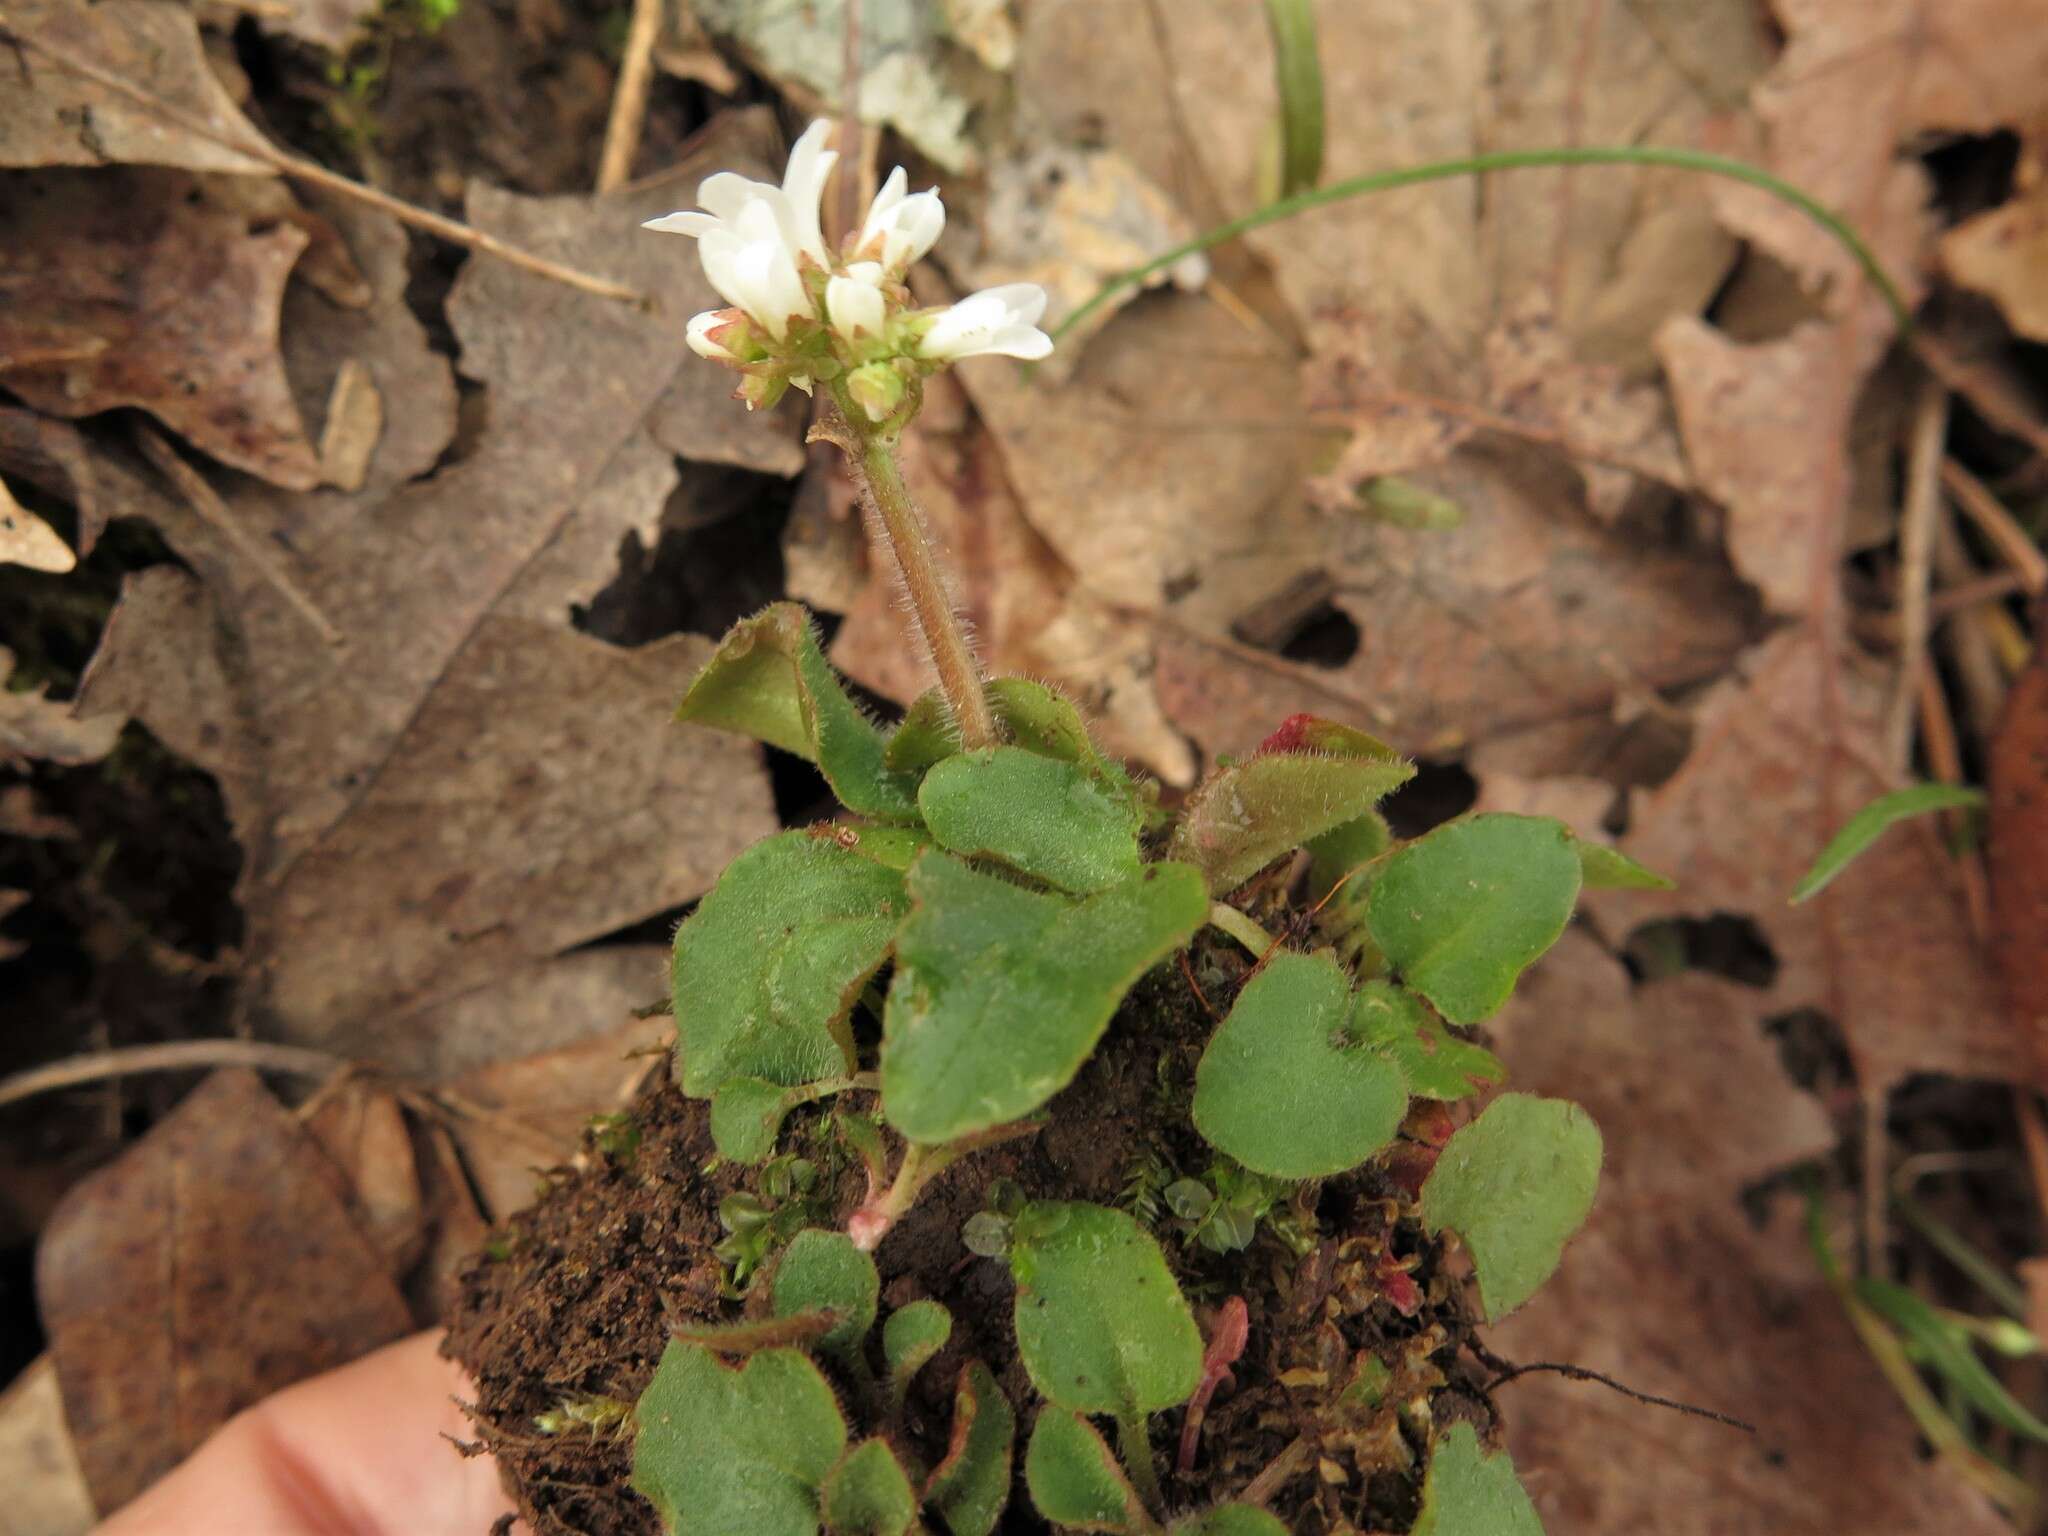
(37, 729)
(53, 457)
(131, 287)
(210, 1265)
(1886, 951)
(1672, 1289)
(50, 117)
(2019, 858)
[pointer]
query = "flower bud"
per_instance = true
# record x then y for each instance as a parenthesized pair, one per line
(877, 388)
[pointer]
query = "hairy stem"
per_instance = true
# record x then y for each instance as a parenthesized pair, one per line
(1134, 1439)
(931, 606)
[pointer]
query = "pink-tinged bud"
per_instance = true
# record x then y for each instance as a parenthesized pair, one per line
(762, 391)
(1227, 1338)
(867, 1227)
(1398, 1286)
(720, 334)
(1429, 1122)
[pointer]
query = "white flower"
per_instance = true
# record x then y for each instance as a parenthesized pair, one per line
(899, 229)
(727, 196)
(703, 341)
(752, 268)
(996, 320)
(854, 303)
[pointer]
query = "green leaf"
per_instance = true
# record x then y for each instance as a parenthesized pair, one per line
(1602, 868)
(913, 1334)
(867, 1494)
(1036, 814)
(926, 735)
(1101, 1324)
(1036, 718)
(1001, 993)
(1298, 73)
(1871, 823)
(1345, 851)
(1947, 1349)
(770, 964)
(972, 1484)
(770, 680)
(1287, 1085)
(1435, 1063)
(1515, 1184)
(1075, 1480)
(746, 1117)
(824, 1271)
(1463, 910)
(1232, 1520)
(1468, 1493)
(717, 1451)
(1306, 778)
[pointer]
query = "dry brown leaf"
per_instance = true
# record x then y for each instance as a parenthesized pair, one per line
(53, 457)
(36, 728)
(2004, 253)
(27, 540)
(46, 1493)
(328, 24)
(1886, 951)
(2019, 858)
(362, 1129)
(210, 1265)
(1673, 1290)
(49, 117)
(132, 287)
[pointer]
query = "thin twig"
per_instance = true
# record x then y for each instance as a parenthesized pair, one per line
(1945, 757)
(300, 169)
(206, 502)
(172, 1056)
(629, 97)
(1277, 1473)
(851, 160)
(1920, 510)
(1997, 525)
(1580, 1373)
(1977, 591)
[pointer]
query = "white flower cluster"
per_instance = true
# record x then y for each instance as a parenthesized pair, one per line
(802, 312)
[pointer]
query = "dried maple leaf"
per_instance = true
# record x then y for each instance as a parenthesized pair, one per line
(131, 287)
(210, 1265)
(1672, 1289)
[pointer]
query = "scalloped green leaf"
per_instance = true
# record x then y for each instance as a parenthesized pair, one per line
(868, 1493)
(824, 1271)
(1075, 1480)
(1102, 1326)
(1515, 1184)
(1038, 815)
(770, 964)
(970, 1487)
(1435, 1063)
(1602, 868)
(1309, 777)
(1469, 1493)
(1287, 1085)
(769, 680)
(914, 1333)
(1462, 911)
(1000, 993)
(717, 1451)
(746, 1117)
(1231, 1520)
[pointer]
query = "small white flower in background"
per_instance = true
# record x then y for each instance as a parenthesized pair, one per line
(803, 313)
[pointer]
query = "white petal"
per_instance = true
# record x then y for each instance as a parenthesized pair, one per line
(869, 272)
(693, 224)
(919, 223)
(724, 194)
(803, 189)
(719, 251)
(698, 334)
(887, 198)
(996, 320)
(1025, 341)
(855, 308)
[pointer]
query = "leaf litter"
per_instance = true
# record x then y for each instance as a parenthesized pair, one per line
(1632, 392)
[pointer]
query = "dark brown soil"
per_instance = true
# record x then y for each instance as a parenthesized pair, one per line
(569, 1305)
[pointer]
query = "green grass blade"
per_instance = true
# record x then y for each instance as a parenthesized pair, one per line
(1876, 818)
(1299, 73)
(1514, 160)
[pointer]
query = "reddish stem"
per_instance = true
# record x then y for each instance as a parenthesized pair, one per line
(1226, 1343)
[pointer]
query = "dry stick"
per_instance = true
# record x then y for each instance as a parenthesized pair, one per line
(1277, 1473)
(205, 501)
(1580, 1373)
(1977, 668)
(174, 1056)
(1997, 525)
(1920, 511)
(629, 97)
(1976, 591)
(1944, 756)
(852, 162)
(306, 170)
